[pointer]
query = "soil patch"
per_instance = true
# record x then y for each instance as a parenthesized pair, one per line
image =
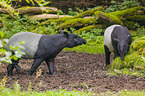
(73, 71)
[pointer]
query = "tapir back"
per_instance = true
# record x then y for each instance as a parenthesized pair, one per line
(31, 43)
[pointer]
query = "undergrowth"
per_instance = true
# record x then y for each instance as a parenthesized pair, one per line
(16, 91)
(134, 64)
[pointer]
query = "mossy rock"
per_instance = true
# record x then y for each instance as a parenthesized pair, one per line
(90, 12)
(107, 18)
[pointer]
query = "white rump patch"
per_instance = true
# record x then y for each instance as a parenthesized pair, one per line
(31, 43)
(107, 37)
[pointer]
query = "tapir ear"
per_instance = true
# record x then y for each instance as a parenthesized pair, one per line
(116, 39)
(65, 33)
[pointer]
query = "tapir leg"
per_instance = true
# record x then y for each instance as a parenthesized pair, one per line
(35, 65)
(14, 64)
(50, 64)
(116, 54)
(10, 68)
(107, 54)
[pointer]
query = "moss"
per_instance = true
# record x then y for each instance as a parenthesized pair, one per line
(90, 12)
(108, 16)
(129, 24)
(133, 64)
(77, 22)
(139, 45)
(87, 28)
(125, 12)
(137, 17)
(97, 13)
(59, 20)
(25, 8)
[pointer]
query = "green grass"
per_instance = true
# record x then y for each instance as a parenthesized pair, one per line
(61, 92)
(133, 64)
(92, 49)
(95, 45)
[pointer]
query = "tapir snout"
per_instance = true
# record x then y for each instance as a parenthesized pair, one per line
(122, 56)
(83, 41)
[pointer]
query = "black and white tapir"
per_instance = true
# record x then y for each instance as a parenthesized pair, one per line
(117, 39)
(41, 48)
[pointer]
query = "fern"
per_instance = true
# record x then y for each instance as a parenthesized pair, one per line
(122, 5)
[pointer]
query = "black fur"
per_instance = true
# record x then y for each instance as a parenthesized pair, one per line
(48, 48)
(121, 41)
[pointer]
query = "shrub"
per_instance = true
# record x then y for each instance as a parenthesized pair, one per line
(134, 64)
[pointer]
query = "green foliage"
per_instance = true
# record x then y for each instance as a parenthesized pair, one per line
(140, 30)
(111, 17)
(61, 92)
(139, 45)
(6, 56)
(74, 21)
(125, 12)
(126, 4)
(17, 92)
(73, 13)
(94, 44)
(87, 28)
(90, 12)
(12, 26)
(134, 64)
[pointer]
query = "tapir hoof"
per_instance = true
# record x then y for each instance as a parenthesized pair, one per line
(30, 73)
(51, 73)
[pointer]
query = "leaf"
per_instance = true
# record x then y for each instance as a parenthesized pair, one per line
(1, 45)
(8, 54)
(6, 40)
(44, 4)
(22, 42)
(1, 34)
(27, 1)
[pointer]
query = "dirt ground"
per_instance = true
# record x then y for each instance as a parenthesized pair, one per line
(73, 71)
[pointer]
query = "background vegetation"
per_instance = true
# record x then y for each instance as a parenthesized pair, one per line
(89, 22)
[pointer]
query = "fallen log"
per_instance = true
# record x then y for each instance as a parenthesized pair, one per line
(36, 10)
(31, 10)
(117, 17)
(48, 16)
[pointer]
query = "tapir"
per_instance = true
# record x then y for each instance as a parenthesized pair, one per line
(117, 39)
(41, 48)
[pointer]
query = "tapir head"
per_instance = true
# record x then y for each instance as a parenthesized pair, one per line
(73, 40)
(123, 46)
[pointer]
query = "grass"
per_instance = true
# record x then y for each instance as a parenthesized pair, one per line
(61, 92)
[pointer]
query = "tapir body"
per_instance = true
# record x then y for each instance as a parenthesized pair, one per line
(41, 48)
(117, 39)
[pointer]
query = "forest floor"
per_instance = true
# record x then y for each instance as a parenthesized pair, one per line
(73, 71)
